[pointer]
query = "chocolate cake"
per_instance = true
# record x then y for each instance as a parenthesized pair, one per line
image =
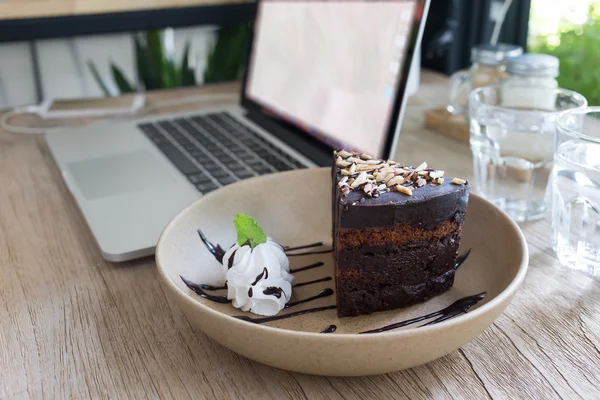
(396, 232)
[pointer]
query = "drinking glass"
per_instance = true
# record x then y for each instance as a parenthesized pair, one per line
(512, 144)
(576, 190)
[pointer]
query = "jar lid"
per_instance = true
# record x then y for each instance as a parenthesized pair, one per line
(542, 65)
(496, 54)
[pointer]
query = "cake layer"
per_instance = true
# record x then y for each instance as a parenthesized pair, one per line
(398, 235)
(411, 263)
(379, 296)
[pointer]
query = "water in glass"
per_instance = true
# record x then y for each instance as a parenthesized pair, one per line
(576, 203)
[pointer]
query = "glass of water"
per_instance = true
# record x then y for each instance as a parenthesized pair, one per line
(512, 134)
(576, 189)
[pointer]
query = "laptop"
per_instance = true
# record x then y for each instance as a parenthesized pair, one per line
(320, 75)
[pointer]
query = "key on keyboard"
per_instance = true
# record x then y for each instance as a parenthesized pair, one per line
(214, 150)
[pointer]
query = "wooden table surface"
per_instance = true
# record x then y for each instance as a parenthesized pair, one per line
(75, 326)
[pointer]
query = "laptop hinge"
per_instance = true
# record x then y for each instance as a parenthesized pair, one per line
(311, 148)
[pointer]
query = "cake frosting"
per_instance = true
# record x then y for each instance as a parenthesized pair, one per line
(258, 278)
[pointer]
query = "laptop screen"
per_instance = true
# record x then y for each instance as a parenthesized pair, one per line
(332, 68)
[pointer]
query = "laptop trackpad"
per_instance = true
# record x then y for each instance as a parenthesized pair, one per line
(114, 175)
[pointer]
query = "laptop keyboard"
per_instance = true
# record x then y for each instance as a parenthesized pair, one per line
(214, 150)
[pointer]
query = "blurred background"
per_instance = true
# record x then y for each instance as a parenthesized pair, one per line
(89, 48)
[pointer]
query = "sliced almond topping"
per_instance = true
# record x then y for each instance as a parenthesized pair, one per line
(345, 172)
(381, 187)
(421, 167)
(421, 182)
(360, 179)
(373, 162)
(352, 168)
(440, 181)
(436, 174)
(458, 181)
(341, 163)
(365, 156)
(388, 177)
(342, 181)
(405, 190)
(423, 173)
(398, 180)
(380, 176)
(343, 153)
(366, 167)
(368, 188)
(391, 162)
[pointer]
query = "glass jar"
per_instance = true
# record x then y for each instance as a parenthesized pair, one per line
(531, 82)
(489, 67)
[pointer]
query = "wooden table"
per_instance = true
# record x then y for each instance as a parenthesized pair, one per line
(73, 325)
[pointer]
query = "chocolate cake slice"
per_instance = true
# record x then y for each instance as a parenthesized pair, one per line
(396, 232)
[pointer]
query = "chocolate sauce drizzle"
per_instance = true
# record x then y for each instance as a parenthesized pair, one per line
(274, 291)
(458, 307)
(216, 251)
(306, 246)
(323, 293)
(329, 329)
(461, 259)
(230, 261)
(264, 274)
(310, 266)
(283, 316)
(211, 287)
(310, 252)
(198, 290)
(325, 279)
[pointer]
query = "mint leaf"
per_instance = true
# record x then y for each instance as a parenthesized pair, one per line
(248, 231)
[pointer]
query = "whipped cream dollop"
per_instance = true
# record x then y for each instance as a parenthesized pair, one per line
(258, 279)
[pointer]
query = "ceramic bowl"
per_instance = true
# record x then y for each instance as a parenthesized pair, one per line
(295, 208)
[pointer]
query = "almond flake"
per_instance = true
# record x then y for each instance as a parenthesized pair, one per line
(421, 167)
(360, 179)
(436, 174)
(365, 156)
(440, 181)
(458, 181)
(398, 180)
(352, 168)
(380, 176)
(388, 177)
(373, 162)
(366, 167)
(368, 189)
(341, 163)
(345, 172)
(391, 162)
(405, 190)
(343, 153)
(381, 187)
(342, 181)
(423, 173)
(421, 182)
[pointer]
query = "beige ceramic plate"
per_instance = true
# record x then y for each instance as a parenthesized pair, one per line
(295, 208)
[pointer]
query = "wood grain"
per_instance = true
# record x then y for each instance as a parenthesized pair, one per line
(13, 9)
(73, 325)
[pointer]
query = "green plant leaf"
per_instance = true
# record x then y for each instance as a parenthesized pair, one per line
(120, 80)
(227, 56)
(98, 79)
(248, 231)
(147, 73)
